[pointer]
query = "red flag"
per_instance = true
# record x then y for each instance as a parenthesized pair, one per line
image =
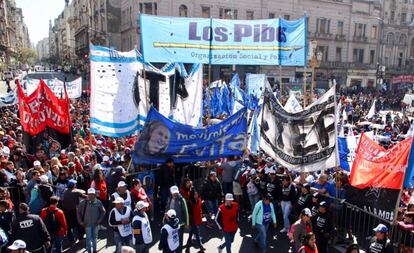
(377, 167)
(42, 108)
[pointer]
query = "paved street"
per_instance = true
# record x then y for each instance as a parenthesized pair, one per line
(211, 237)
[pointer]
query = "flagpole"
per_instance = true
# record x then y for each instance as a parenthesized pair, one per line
(304, 87)
(209, 69)
(145, 88)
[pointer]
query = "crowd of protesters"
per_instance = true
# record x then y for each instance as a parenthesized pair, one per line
(50, 195)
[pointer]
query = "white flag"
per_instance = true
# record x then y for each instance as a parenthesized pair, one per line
(371, 112)
(292, 105)
(188, 110)
(118, 95)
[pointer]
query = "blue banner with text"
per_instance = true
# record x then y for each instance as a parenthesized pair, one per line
(223, 41)
(162, 139)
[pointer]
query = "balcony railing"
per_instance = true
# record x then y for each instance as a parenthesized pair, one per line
(340, 37)
(324, 35)
(346, 65)
(360, 38)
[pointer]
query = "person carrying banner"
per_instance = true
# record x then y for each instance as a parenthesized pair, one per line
(120, 219)
(380, 243)
(170, 241)
(211, 193)
(227, 220)
(263, 215)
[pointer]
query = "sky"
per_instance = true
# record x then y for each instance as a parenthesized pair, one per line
(37, 14)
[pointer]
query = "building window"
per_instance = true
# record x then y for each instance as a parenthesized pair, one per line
(358, 55)
(205, 11)
(400, 59)
(183, 11)
(324, 50)
(340, 28)
(403, 40)
(272, 15)
(359, 30)
(227, 13)
(374, 29)
(390, 38)
(286, 17)
(392, 15)
(338, 54)
(372, 57)
(403, 18)
(249, 15)
(148, 8)
(323, 25)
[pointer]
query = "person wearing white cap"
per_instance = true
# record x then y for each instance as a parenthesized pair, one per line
(177, 203)
(380, 243)
(301, 228)
(227, 221)
(170, 236)
(123, 192)
(120, 218)
(141, 228)
(18, 246)
(106, 165)
(90, 214)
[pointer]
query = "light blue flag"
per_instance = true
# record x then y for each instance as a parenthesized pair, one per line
(255, 133)
(254, 88)
(237, 94)
(225, 100)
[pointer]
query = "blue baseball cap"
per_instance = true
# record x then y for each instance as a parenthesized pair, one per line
(72, 183)
(381, 228)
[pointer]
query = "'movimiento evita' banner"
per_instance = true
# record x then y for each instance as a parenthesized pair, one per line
(223, 41)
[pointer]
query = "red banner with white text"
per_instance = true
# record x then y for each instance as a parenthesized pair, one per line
(377, 176)
(43, 109)
(375, 166)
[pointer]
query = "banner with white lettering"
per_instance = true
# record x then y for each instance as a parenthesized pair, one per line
(377, 176)
(43, 109)
(162, 139)
(223, 41)
(303, 141)
(73, 88)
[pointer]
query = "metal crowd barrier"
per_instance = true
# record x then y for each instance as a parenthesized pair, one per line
(355, 225)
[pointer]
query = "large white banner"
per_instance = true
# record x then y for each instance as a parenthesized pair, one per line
(118, 94)
(188, 110)
(73, 88)
(303, 141)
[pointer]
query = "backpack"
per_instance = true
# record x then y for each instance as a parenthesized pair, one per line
(51, 222)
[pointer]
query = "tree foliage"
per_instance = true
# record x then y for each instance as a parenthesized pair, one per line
(25, 56)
